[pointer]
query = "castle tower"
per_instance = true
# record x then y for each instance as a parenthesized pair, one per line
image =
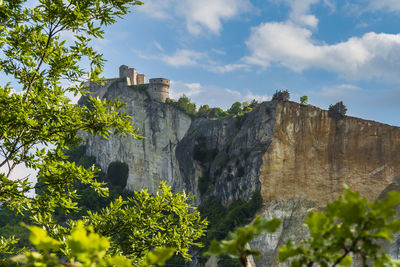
(141, 79)
(159, 89)
(130, 73)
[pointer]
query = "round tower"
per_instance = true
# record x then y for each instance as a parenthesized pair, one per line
(159, 89)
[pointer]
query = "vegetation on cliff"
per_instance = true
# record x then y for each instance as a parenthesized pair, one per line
(186, 105)
(337, 111)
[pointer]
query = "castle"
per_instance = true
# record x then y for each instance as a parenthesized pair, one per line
(158, 88)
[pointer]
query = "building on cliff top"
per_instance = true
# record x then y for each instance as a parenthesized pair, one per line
(158, 88)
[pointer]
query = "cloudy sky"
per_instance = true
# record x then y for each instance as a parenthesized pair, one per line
(221, 51)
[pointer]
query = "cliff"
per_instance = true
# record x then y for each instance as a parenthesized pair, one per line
(150, 160)
(297, 156)
(317, 155)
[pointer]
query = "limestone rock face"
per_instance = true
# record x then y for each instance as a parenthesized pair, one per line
(292, 214)
(229, 152)
(312, 155)
(150, 160)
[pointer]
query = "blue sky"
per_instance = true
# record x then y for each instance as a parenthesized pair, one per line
(221, 51)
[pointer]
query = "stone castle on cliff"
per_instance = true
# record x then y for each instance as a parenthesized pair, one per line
(157, 88)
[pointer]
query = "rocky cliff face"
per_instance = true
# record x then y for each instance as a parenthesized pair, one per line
(150, 160)
(317, 155)
(296, 155)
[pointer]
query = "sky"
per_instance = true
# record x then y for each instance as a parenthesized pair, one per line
(218, 52)
(221, 51)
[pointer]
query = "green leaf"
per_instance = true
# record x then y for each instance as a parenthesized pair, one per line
(346, 261)
(288, 251)
(41, 240)
(159, 255)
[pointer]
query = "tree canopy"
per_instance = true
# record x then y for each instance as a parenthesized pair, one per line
(43, 53)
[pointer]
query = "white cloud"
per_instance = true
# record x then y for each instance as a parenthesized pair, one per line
(158, 46)
(219, 52)
(339, 91)
(158, 9)
(388, 5)
(370, 56)
(208, 14)
(213, 96)
(198, 15)
(183, 57)
(227, 67)
(300, 12)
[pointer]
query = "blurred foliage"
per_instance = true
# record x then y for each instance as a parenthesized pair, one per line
(351, 227)
(235, 246)
(82, 247)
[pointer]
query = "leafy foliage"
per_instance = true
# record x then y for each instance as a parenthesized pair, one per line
(36, 57)
(350, 227)
(281, 95)
(83, 247)
(337, 111)
(236, 245)
(304, 100)
(235, 109)
(142, 222)
(203, 111)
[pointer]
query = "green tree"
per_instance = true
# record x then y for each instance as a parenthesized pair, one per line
(281, 95)
(337, 111)
(235, 109)
(41, 122)
(145, 221)
(304, 100)
(37, 60)
(204, 110)
(218, 113)
(186, 105)
(246, 107)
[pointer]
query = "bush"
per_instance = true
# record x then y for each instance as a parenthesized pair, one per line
(235, 109)
(218, 113)
(281, 95)
(186, 105)
(337, 111)
(117, 173)
(304, 100)
(204, 111)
